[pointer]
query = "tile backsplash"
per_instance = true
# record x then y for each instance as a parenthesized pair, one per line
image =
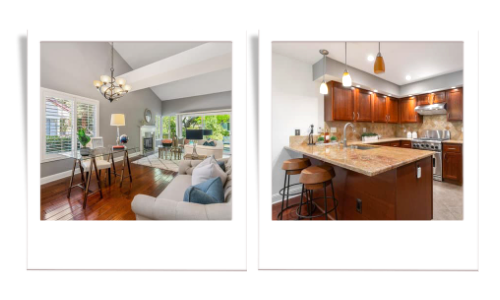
(438, 122)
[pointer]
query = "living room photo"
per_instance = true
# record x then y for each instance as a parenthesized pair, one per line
(136, 130)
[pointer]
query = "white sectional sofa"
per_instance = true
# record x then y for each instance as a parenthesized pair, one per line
(169, 205)
(216, 150)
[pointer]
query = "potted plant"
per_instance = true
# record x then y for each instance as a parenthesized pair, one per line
(369, 137)
(84, 139)
(320, 140)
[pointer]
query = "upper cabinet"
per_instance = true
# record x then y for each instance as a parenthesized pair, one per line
(339, 103)
(407, 112)
(439, 97)
(455, 105)
(392, 110)
(424, 99)
(379, 108)
(363, 103)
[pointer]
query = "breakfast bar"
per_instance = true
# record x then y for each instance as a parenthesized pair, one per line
(376, 182)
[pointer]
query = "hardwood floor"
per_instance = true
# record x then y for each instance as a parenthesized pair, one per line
(290, 214)
(115, 203)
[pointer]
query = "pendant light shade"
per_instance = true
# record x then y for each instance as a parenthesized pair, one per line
(323, 88)
(346, 78)
(379, 66)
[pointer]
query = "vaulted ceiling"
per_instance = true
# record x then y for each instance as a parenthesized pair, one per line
(176, 70)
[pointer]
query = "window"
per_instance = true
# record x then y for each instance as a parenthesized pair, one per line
(219, 122)
(62, 116)
(158, 127)
(169, 127)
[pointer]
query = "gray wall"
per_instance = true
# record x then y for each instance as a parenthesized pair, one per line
(71, 67)
(198, 103)
(336, 69)
(433, 84)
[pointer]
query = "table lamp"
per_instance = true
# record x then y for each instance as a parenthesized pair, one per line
(207, 132)
(117, 120)
(194, 134)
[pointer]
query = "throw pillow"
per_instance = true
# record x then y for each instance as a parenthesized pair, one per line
(207, 192)
(221, 165)
(203, 173)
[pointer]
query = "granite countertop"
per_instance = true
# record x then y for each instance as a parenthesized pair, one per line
(369, 162)
(379, 141)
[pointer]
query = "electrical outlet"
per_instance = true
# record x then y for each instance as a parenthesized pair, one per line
(333, 129)
(364, 129)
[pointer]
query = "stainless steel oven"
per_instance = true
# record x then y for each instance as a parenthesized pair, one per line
(437, 166)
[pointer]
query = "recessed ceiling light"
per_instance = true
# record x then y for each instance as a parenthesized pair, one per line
(371, 58)
(375, 91)
(371, 93)
(410, 95)
(453, 87)
(357, 85)
(390, 95)
(408, 77)
(352, 88)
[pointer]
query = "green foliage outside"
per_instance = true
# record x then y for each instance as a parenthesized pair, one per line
(169, 128)
(57, 144)
(219, 124)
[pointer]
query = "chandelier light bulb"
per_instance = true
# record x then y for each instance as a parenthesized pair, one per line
(97, 83)
(127, 88)
(118, 90)
(323, 89)
(105, 79)
(103, 89)
(120, 81)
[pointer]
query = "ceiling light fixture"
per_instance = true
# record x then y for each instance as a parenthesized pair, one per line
(370, 58)
(375, 91)
(453, 87)
(408, 77)
(110, 87)
(389, 95)
(379, 66)
(323, 88)
(346, 78)
(357, 85)
(410, 95)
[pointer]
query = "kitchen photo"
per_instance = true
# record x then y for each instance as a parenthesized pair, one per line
(367, 130)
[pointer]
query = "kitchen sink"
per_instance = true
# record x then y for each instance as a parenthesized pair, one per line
(363, 147)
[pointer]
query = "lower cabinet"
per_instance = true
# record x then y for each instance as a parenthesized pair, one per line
(453, 163)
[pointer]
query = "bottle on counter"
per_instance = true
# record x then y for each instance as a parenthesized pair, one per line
(327, 136)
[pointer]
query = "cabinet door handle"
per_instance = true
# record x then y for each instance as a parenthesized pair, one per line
(353, 116)
(358, 115)
(451, 148)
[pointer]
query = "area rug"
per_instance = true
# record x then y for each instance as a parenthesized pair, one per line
(154, 162)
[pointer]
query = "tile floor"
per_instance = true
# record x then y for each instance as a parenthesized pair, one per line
(448, 201)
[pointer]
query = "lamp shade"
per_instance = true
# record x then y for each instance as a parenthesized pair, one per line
(379, 66)
(207, 131)
(117, 120)
(194, 134)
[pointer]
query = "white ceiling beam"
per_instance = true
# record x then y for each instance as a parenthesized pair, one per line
(209, 57)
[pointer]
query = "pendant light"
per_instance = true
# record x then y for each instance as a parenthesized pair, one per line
(379, 66)
(323, 89)
(346, 78)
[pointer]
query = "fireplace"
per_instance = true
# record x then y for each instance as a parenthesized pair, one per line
(147, 140)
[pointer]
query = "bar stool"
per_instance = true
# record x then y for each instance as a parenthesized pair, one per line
(315, 178)
(292, 167)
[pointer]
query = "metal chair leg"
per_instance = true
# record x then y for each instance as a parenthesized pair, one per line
(301, 199)
(283, 197)
(335, 202)
(326, 204)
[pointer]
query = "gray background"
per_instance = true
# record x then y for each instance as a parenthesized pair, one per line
(197, 103)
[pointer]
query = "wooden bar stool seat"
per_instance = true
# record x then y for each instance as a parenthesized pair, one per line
(291, 167)
(316, 178)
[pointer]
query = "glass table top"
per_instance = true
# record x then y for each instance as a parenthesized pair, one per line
(94, 153)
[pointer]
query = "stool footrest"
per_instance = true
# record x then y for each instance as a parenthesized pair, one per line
(293, 205)
(335, 205)
(292, 194)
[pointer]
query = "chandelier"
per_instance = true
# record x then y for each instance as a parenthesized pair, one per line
(110, 87)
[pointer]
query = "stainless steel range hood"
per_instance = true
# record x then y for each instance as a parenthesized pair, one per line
(433, 109)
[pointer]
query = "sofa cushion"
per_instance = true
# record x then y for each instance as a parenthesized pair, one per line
(222, 165)
(175, 189)
(203, 173)
(207, 192)
(209, 143)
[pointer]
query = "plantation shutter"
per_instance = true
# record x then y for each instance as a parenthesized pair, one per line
(85, 118)
(58, 125)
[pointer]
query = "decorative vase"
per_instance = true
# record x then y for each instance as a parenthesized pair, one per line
(84, 151)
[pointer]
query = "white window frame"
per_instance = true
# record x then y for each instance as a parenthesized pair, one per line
(44, 92)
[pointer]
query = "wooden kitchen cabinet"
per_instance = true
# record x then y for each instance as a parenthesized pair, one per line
(339, 103)
(363, 101)
(452, 163)
(424, 99)
(405, 144)
(455, 104)
(379, 108)
(392, 110)
(407, 112)
(439, 97)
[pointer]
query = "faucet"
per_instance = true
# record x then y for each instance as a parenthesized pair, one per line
(345, 128)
